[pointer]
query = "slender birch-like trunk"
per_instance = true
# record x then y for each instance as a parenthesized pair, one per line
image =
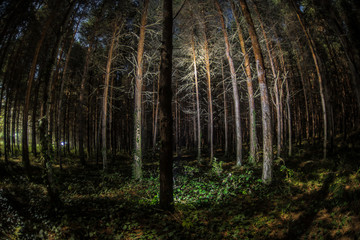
(235, 89)
(105, 97)
(197, 99)
(208, 77)
(252, 113)
(225, 110)
(137, 166)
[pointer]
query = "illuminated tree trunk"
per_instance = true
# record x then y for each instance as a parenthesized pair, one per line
(265, 106)
(137, 167)
(289, 116)
(277, 85)
(235, 89)
(105, 97)
(208, 77)
(225, 110)
(166, 121)
(197, 99)
(111, 125)
(252, 113)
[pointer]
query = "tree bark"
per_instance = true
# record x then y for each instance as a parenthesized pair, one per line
(208, 78)
(235, 89)
(197, 99)
(105, 97)
(226, 147)
(166, 121)
(25, 146)
(319, 75)
(265, 106)
(61, 94)
(252, 113)
(137, 167)
(156, 116)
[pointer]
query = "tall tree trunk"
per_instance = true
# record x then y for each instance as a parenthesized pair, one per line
(289, 116)
(208, 77)
(176, 140)
(277, 84)
(111, 125)
(319, 75)
(6, 124)
(45, 153)
(225, 111)
(305, 89)
(25, 146)
(166, 121)
(137, 167)
(156, 116)
(265, 105)
(80, 112)
(197, 99)
(286, 80)
(61, 95)
(252, 113)
(235, 89)
(33, 120)
(105, 97)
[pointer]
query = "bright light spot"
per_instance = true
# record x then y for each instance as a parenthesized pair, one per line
(62, 143)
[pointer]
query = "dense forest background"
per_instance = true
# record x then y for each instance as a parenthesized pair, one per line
(125, 114)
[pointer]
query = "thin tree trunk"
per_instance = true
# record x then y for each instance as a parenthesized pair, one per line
(61, 94)
(304, 87)
(319, 75)
(80, 112)
(6, 123)
(166, 122)
(25, 146)
(176, 140)
(105, 97)
(33, 120)
(289, 116)
(208, 77)
(156, 116)
(194, 122)
(197, 100)
(235, 89)
(265, 106)
(137, 167)
(225, 110)
(252, 113)
(111, 130)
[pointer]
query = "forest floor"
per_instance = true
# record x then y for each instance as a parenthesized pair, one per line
(309, 199)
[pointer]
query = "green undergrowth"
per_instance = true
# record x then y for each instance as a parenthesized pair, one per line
(309, 199)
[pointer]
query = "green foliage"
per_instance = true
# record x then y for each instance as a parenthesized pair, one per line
(210, 202)
(289, 172)
(217, 167)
